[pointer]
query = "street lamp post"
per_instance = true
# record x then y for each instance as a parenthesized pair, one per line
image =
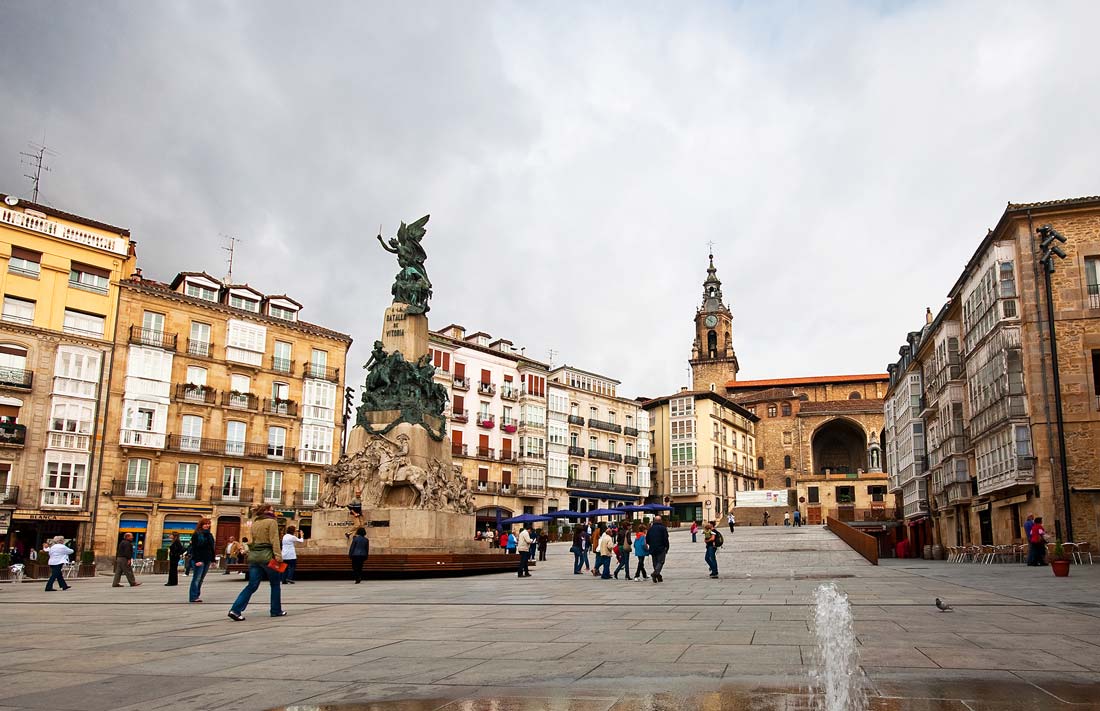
(1047, 238)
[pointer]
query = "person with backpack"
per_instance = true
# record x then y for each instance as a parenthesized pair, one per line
(711, 536)
(641, 550)
(624, 544)
(656, 539)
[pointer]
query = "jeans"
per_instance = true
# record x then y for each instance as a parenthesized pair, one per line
(578, 559)
(542, 553)
(55, 574)
(291, 564)
(124, 566)
(624, 564)
(639, 570)
(605, 560)
(256, 574)
(693, 534)
(524, 557)
(712, 559)
(198, 574)
(658, 561)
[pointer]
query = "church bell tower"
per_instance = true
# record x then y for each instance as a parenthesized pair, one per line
(713, 361)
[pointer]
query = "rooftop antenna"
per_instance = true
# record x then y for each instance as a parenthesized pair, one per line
(36, 160)
(232, 248)
(710, 246)
(553, 353)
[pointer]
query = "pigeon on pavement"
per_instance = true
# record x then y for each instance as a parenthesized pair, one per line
(943, 606)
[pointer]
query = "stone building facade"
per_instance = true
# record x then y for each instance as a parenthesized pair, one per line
(60, 282)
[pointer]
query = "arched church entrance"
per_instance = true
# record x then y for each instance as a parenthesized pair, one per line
(839, 447)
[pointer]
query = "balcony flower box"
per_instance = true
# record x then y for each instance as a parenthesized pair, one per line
(507, 428)
(487, 424)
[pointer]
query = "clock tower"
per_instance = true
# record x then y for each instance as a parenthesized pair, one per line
(713, 361)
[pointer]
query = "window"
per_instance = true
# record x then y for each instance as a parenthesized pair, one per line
(90, 278)
(231, 483)
(1095, 377)
(196, 375)
(240, 387)
(143, 420)
(280, 394)
(25, 262)
(772, 410)
(281, 312)
(593, 443)
(1023, 440)
(812, 495)
(82, 324)
(311, 485)
(682, 407)
(316, 444)
(574, 470)
(786, 409)
(187, 481)
(854, 395)
(878, 493)
(787, 463)
(845, 494)
(593, 413)
(234, 437)
(319, 400)
(759, 462)
(199, 343)
(245, 342)
(281, 361)
(787, 481)
(611, 446)
(273, 486)
(200, 292)
(18, 310)
(573, 437)
(1092, 281)
(593, 473)
(191, 433)
(243, 302)
(64, 479)
(1007, 282)
(137, 477)
(76, 372)
(318, 363)
(276, 442)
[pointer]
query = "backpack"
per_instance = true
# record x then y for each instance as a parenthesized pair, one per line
(718, 540)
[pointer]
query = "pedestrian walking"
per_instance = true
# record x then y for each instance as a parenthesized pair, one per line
(766, 515)
(290, 553)
(580, 558)
(358, 552)
(732, 520)
(59, 555)
(625, 543)
(175, 552)
(786, 518)
(657, 541)
(1037, 543)
(606, 548)
(264, 558)
(797, 517)
(230, 553)
(641, 551)
(710, 539)
(597, 560)
(1028, 523)
(694, 530)
(524, 543)
(124, 561)
(202, 558)
(543, 542)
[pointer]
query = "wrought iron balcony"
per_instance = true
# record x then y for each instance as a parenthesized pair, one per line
(486, 389)
(460, 415)
(630, 431)
(486, 452)
(141, 438)
(530, 489)
(143, 489)
(606, 426)
(154, 339)
(231, 494)
(508, 424)
(320, 372)
(605, 456)
(301, 502)
(229, 448)
(491, 487)
(603, 486)
(9, 495)
(576, 420)
(279, 406)
(186, 491)
(13, 435)
(486, 420)
(509, 392)
(202, 349)
(16, 378)
(274, 497)
(1094, 295)
(509, 456)
(282, 365)
(629, 459)
(576, 451)
(198, 394)
(240, 401)
(461, 383)
(458, 450)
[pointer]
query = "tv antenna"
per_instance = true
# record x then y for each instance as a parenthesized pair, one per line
(232, 248)
(36, 160)
(553, 353)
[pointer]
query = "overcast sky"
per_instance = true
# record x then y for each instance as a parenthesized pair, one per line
(845, 158)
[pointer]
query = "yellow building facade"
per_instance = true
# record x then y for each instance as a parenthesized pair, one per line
(60, 282)
(222, 399)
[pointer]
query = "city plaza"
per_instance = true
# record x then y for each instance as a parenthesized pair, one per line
(1018, 638)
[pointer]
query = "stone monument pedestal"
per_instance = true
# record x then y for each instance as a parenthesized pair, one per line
(395, 530)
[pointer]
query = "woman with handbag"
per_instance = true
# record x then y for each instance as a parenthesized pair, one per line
(265, 560)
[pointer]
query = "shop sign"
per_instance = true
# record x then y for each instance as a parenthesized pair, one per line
(5, 521)
(1021, 499)
(981, 507)
(28, 515)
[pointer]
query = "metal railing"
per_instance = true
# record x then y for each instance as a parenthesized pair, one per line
(605, 456)
(155, 339)
(576, 451)
(460, 415)
(13, 435)
(300, 500)
(199, 394)
(1094, 295)
(509, 457)
(282, 365)
(458, 450)
(629, 459)
(461, 383)
(485, 452)
(509, 393)
(229, 448)
(240, 401)
(486, 388)
(606, 426)
(575, 420)
(144, 489)
(630, 431)
(9, 495)
(603, 486)
(203, 349)
(486, 420)
(17, 378)
(222, 493)
(320, 372)
(277, 406)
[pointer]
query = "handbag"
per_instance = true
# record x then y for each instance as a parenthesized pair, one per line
(260, 554)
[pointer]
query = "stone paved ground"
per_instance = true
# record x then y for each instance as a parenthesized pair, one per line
(1019, 637)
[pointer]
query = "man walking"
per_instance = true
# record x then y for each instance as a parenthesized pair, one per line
(124, 561)
(525, 543)
(606, 548)
(797, 517)
(732, 520)
(711, 556)
(657, 540)
(230, 553)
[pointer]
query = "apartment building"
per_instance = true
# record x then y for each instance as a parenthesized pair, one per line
(703, 446)
(986, 400)
(907, 436)
(600, 443)
(59, 280)
(222, 398)
(497, 420)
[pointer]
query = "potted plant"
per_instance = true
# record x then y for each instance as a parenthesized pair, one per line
(160, 565)
(1059, 561)
(87, 564)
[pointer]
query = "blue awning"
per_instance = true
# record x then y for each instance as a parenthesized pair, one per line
(602, 495)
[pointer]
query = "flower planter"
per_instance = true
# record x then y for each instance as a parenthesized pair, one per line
(1060, 568)
(160, 567)
(86, 570)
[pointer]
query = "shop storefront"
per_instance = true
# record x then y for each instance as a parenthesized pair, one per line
(138, 525)
(29, 529)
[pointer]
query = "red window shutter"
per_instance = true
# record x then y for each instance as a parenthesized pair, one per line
(482, 474)
(437, 358)
(506, 477)
(486, 376)
(483, 441)
(460, 403)
(506, 445)
(456, 437)
(460, 370)
(507, 378)
(447, 362)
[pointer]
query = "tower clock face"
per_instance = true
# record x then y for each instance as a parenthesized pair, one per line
(711, 321)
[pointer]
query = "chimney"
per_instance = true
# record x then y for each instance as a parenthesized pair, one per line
(928, 315)
(137, 274)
